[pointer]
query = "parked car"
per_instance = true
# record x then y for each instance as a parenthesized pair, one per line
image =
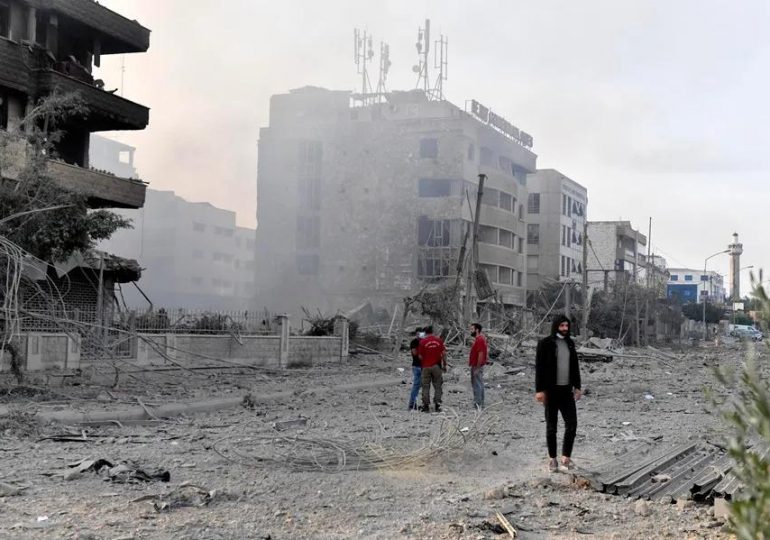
(747, 333)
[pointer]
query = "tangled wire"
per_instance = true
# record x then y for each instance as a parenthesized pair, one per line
(317, 454)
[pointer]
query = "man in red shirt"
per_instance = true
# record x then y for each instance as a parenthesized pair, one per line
(477, 360)
(432, 353)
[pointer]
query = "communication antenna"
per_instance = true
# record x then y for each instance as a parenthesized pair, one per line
(441, 62)
(362, 54)
(423, 51)
(384, 68)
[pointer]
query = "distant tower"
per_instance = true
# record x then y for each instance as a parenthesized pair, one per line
(736, 249)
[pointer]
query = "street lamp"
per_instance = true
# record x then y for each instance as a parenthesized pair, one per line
(705, 296)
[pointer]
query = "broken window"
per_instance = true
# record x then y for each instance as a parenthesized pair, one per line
(429, 148)
(433, 265)
(434, 187)
(433, 232)
(533, 234)
(491, 272)
(507, 201)
(490, 197)
(521, 244)
(504, 275)
(5, 19)
(518, 279)
(506, 238)
(487, 235)
(307, 264)
(533, 203)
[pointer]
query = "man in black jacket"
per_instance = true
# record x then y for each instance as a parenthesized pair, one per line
(557, 387)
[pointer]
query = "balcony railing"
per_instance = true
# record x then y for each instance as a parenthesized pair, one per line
(106, 110)
(103, 190)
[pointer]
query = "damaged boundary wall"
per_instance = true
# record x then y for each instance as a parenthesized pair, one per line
(62, 351)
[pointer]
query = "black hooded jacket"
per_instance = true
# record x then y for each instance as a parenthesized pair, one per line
(545, 360)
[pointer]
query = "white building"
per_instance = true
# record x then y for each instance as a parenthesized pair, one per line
(557, 210)
(691, 284)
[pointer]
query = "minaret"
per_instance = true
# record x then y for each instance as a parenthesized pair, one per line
(736, 248)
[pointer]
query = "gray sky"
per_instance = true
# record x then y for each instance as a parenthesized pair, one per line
(657, 107)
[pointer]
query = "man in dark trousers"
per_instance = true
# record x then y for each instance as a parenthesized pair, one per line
(433, 361)
(416, 368)
(557, 387)
(477, 360)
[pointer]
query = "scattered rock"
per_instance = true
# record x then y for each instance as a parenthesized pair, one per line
(642, 508)
(684, 504)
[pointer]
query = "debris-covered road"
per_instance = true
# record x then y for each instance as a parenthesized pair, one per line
(336, 454)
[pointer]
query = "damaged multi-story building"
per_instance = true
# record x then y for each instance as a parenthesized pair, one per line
(557, 209)
(52, 46)
(371, 202)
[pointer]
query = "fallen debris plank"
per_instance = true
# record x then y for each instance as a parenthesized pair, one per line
(506, 524)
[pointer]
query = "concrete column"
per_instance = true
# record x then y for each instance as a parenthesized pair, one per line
(73, 352)
(171, 346)
(342, 329)
(32, 25)
(283, 324)
(34, 352)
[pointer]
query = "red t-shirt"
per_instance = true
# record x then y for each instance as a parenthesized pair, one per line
(431, 350)
(479, 346)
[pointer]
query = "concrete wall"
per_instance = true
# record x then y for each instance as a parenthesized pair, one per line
(45, 351)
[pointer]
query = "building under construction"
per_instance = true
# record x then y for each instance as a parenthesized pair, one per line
(371, 202)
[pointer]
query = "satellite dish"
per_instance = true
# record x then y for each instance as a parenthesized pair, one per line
(416, 69)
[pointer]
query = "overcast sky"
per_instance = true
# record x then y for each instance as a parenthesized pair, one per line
(659, 108)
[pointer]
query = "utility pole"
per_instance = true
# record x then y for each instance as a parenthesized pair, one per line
(467, 308)
(648, 276)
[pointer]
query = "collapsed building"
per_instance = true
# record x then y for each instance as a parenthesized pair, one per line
(370, 203)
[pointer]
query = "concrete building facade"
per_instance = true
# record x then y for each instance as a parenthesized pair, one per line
(54, 46)
(690, 285)
(616, 253)
(371, 203)
(557, 210)
(192, 254)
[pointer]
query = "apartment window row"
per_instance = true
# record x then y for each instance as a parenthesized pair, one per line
(533, 203)
(689, 277)
(569, 236)
(501, 237)
(503, 275)
(570, 266)
(223, 231)
(571, 207)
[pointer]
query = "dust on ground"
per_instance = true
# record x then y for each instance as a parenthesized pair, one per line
(338, 455)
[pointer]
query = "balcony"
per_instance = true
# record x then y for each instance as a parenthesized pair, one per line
(13, 65)
(107, 112)
(119, 34)
(103, 190)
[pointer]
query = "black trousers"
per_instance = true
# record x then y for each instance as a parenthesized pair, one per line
(560, 399)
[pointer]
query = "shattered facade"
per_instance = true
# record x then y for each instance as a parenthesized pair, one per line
(557, 210)
(371, 203)
(616, 254)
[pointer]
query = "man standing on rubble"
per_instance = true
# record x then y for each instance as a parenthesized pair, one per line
(432, 354)
(557, 387)
(416, 367)
(477, 360)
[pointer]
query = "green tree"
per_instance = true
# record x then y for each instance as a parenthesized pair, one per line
(749, 417)
(714, 313)
(37, 214)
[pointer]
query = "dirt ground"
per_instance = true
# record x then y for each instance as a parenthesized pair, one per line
(245, 475)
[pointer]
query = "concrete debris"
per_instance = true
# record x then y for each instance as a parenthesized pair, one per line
(121, 473)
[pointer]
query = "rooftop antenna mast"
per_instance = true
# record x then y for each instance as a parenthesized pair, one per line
(384, 68)
(441, 62)
(362, 54)
(423, 51)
